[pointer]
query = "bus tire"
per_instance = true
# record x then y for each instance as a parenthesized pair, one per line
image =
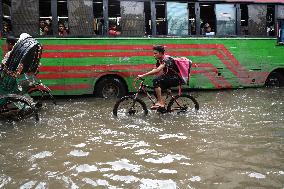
(110, 87)
(275, 79)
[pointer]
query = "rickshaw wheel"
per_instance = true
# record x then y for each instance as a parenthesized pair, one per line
(17, 107)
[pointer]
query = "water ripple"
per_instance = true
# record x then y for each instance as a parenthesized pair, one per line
(234, 141)
(78, 153)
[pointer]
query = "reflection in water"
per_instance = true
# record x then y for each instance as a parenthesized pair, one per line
(234, 141)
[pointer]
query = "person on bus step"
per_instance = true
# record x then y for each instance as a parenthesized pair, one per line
(167, 75)
(10, 41)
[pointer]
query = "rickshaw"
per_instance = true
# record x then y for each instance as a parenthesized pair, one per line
(21, 93)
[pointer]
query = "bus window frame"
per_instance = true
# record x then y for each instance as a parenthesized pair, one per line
(54, 15)
(279, 32)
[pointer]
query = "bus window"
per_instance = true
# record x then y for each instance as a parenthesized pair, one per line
(25, 16)
(226, 19)
(270, 20)
(207, 17)
(161, 25)
(114, 17)
(62, 13)
(98, 17)
(177, 18)
(45, 18)
(132, 18)
(280, 24)
(280, 12)
(257, 19)
(148, 25)
(244, 19)
(81, 18)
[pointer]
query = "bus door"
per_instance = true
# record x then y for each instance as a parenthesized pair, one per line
(280, 32)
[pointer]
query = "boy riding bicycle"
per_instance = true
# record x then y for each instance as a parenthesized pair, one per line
(168, 76)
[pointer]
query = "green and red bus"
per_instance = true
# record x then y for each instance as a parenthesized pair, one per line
(243, 47)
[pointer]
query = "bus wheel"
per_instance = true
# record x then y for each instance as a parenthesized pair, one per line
(110, 87)
(275, 79)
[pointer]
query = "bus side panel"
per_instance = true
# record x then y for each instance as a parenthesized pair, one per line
(72, 66)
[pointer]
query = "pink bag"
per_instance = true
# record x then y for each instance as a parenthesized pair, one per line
(184, 65)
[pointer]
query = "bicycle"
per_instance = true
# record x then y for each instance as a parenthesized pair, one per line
(133, 105)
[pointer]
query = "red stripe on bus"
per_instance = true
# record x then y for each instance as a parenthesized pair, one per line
(70, 87)
(85, 86)
(214, 71)
(227, 63)
(85, 75)
(218, 82)
(121, 54)
(236, 71)
(221, 47)
(138, 67)
(231, 57)
(222, 53)
(126, 47)
(97, 47)
(213, 80)
(67, 75)
(225, 83)
(95, 68)
(96, 75)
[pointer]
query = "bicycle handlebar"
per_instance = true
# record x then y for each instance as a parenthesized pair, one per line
(135, 82)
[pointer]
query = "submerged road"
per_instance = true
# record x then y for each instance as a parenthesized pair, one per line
(235, 140)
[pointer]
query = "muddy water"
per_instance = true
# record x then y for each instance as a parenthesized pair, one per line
(236, 140)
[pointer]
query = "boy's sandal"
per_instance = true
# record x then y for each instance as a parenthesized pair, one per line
(154, 107)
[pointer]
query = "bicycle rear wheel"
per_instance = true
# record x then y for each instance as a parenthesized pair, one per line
(16, 107)
(183, 103)
(128, 106)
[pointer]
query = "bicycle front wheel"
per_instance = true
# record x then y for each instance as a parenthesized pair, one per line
(183, 103)
(128, 106)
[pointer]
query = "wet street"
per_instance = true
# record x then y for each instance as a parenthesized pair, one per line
(235, 140)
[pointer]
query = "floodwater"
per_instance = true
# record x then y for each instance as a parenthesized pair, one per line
(235, 140)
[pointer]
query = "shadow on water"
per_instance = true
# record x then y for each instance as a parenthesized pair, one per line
(235, 140)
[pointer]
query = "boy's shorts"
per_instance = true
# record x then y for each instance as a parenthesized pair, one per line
(166, 81)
